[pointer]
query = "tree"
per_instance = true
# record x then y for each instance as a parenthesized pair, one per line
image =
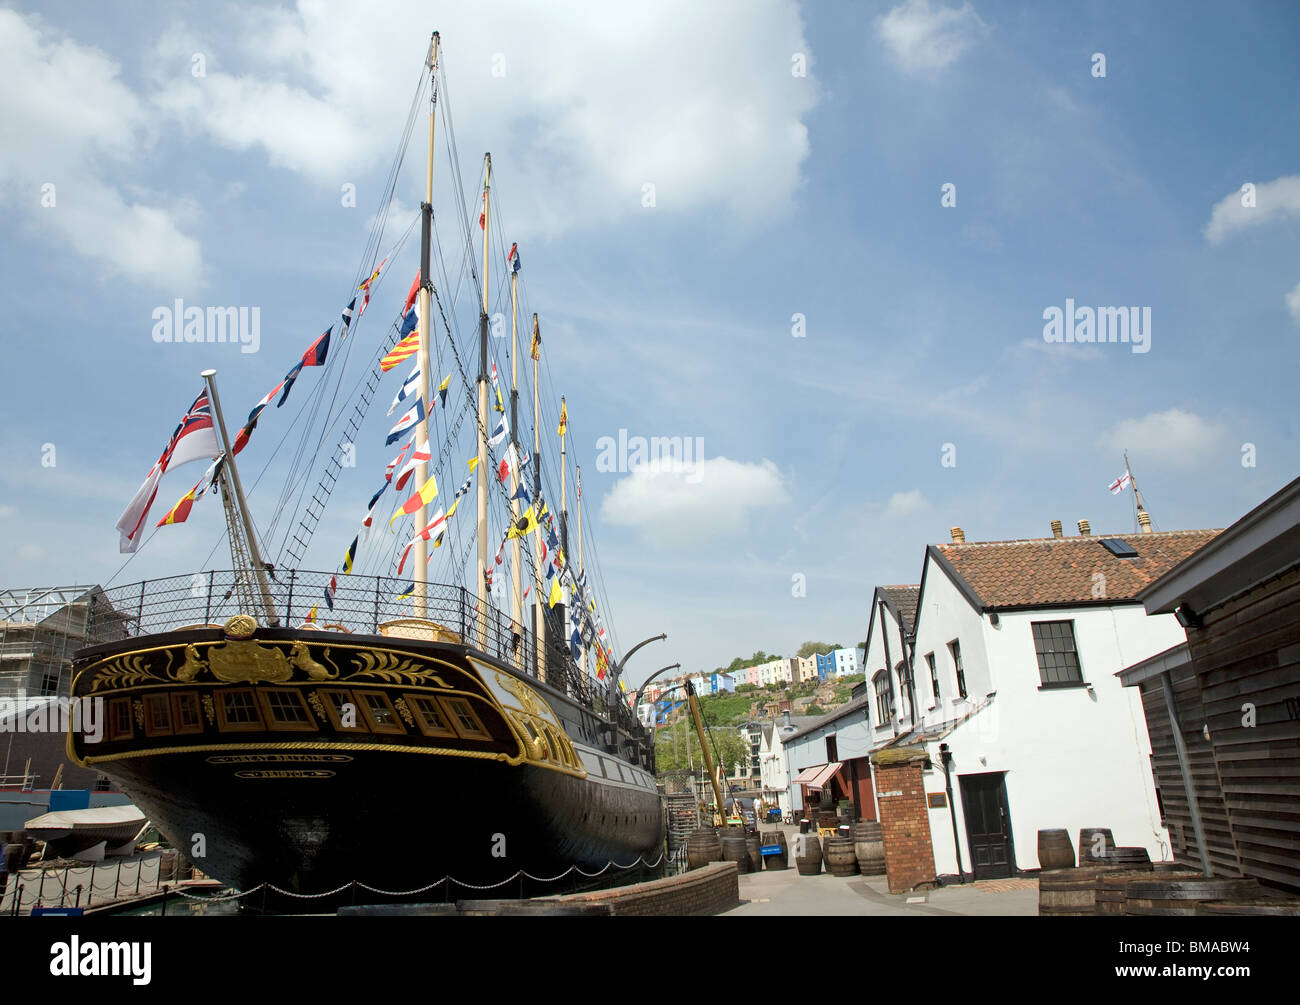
(815, 710)
(677, 747)
(816, 648)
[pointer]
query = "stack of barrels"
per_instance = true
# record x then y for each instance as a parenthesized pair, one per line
(869, 846)
(770, 839)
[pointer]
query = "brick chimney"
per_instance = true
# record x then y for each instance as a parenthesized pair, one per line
(1056, 529)
(1085, 529)
(958, 536)
(1144, 521)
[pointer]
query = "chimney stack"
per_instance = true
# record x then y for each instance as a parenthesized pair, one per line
(1144, 521)
(1056, 529)
(958, 536)
(1085, 529)
(786, 715)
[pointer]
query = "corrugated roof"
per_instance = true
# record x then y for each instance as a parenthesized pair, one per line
(1061, 571)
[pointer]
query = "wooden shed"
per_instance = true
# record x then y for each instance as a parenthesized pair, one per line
(1229, 776)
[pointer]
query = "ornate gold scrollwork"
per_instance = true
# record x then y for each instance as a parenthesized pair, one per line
(527, 698)
(301, 658)
(394, 669)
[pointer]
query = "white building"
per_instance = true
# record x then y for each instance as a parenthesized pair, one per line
(773, 764)
(1010, 670)
(846, 662)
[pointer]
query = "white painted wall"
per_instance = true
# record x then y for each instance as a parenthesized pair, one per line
(1073, 758)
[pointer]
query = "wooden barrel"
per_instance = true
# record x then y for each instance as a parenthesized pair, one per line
(734, 850)
(869, 846)
(1130, 857)
(841, 858)
(780, 860)
(1112, 887)
(752, 846)
(808, 858)
(1055, 850)
(703, 847)
(1070, 891)
(1274, 907)
(1181, 896)
(1088, 842)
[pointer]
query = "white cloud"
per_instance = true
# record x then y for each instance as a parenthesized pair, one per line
(71, 121)
(1274, 200)
(1175, 437)
(6, 512)
(675, 501)
(923, 38)
(1293, 304)
(906, 503)
(584, 109)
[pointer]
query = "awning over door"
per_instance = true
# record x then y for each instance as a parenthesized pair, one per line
(819, 776)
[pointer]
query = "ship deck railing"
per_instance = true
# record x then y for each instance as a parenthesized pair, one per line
(356, 604)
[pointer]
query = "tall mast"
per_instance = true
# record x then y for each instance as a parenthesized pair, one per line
(564, 471)
(1143, 518)
(581, 600)
(539, 627)
(259, 568)
(516, 559)
(480, 579)
(421, 571)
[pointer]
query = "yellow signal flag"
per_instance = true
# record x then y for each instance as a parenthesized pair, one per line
(472, 462)
(564, 417)
(526, 524)
(426, 495)
(555, 591)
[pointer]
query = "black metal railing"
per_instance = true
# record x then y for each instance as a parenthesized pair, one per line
(359, 604)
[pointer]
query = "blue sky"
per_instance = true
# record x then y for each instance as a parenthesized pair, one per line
(775, 195)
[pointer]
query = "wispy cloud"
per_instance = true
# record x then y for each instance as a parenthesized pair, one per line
(906, 503)
(1175, 437)
(923, 38)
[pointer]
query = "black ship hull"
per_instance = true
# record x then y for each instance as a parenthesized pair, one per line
(313, 761)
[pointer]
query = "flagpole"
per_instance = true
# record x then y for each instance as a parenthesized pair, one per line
(1143, 525)
(259, 568)
(516, 559)
(581, 599)
(482, 467)
(421, 571)
(539, 627)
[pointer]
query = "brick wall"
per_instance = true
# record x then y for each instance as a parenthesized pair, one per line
(710, 890)
(904, 825)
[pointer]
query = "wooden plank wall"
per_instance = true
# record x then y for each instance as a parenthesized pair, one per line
(1248, 653)
(1205, 776)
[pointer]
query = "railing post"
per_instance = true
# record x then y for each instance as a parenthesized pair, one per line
(139, 614)
(117, 879)
(207, 607)
(463, 635)
(374, 628)
(288, 614)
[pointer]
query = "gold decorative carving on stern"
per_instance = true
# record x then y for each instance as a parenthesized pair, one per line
(317, 706)
(138, 706)
(209, 709)
(192, 665)
(241, 626)
(525, 695)
(403, 711)
(301, 658)
(248, 663)
(394, 669)
(124, 671)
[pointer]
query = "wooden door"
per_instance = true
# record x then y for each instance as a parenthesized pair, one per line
(988, 824)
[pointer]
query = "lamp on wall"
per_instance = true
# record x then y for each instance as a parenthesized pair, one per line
(1187, 617)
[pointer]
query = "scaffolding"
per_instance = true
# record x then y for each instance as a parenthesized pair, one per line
(40, 629)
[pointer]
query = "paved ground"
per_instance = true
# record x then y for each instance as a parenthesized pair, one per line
(785, 892)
